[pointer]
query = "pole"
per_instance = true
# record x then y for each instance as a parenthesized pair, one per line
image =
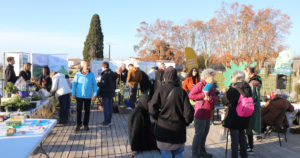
(109, 52)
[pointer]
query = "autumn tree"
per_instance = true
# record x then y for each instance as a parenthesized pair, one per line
(93, 45)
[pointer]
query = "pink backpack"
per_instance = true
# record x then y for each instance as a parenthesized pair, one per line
(245, 106)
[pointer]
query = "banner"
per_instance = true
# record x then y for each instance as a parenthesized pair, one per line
(283, 63)
(190, 58)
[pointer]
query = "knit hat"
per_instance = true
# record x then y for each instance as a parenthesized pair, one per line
(170, 74)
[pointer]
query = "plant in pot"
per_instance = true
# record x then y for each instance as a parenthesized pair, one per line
(11, 89)
(23, 105)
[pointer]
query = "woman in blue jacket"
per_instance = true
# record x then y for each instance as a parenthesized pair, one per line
(83, 90)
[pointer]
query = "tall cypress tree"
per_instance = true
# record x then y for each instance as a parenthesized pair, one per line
(93, 45)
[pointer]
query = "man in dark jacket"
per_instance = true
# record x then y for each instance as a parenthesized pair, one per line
(159, 76)
(10, 75)
(172, 111)
(107, 86)
(236, 124)
(145, 83)
(140, 129)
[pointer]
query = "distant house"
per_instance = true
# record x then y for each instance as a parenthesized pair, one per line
(74, 62)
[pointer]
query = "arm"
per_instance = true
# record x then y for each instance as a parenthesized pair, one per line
(135, 131)
(94, 85)
(213, 97)
(188, 110)
(54, 85)
(197, 93)
(154, 105)
(184, 85)
(74, 85)
(129, 76)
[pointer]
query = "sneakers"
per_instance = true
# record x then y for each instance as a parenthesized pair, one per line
(86, 128)
(105, 125)
(77, 128)
(250, 151)
(206, 155)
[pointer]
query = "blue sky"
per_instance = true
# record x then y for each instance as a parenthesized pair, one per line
(61, 26)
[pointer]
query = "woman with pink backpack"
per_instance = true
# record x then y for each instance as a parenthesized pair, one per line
(240, 104)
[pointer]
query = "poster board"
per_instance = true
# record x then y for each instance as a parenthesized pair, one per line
(56, 62)
(283, 63)
(190, 58)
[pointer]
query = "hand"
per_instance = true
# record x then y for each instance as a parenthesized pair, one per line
(94, 97)
(74, 97)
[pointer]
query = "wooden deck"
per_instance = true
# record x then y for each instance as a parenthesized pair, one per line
(111, 142)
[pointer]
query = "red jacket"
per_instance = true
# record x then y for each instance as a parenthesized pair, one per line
(188, 83)
(203, 108)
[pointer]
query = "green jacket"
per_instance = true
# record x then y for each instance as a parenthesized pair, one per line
(255, 119)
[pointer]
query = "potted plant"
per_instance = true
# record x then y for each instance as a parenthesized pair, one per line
(11, 89)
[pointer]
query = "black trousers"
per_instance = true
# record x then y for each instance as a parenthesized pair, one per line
(87, 107)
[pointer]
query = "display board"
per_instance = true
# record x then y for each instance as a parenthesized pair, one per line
(190, 58)
(283, 63)
(56, 62)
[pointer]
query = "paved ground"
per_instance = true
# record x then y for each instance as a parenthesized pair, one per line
(111, 142)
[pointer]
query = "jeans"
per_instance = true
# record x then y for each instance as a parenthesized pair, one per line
(64, 104)
(250, 141)
(145, 91)
(178, 153)
(87, 107)
(107, 108)
(132, 93)
(201, 131)
(238, 137)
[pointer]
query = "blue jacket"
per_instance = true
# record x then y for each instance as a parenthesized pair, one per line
(84, 86)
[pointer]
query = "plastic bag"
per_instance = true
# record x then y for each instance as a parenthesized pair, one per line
(44, 93)
(21, 84)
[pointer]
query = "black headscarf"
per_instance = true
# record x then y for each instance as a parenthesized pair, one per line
(170, 74)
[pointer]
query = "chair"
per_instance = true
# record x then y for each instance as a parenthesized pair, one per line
(277, 127)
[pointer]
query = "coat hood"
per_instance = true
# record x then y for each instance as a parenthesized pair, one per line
(135, 69)
(243, 88)
(59, 75)
(170, 74)
(255, 81)
(143, 102)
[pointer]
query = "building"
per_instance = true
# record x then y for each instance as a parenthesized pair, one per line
(74, 62)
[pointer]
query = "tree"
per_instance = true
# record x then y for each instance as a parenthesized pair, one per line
(93, 45)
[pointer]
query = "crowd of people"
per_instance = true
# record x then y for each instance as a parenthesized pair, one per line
(162, 112)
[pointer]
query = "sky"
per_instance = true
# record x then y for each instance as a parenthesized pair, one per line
(61, 26)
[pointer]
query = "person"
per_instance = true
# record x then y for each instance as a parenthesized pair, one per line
(183, 74)
(134, 78)
(152, 75)
(145, 83)
(10, 75)
(124, 73)
(191, 80)
(255, 120)
(232, 121)
(203, 112)
(107, 87)
(25, 73)
(274, 107)
(84, 89)
(45, 80)
(159, 76)
(171, 109)
(140, 133)
(62, 91)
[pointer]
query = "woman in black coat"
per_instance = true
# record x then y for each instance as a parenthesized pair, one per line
(25, 73)
(236, 124)
(140, 133)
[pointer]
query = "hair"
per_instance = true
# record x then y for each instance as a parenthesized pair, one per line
(105, 65)
(52, 74)
(9, 59)
(47, 70)
(162, 65)
(26, 66)
(191, 72)
(130, 65)
(184, 69)
(251, 70)
(67, 76)
(238, 76)
(207, 73)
